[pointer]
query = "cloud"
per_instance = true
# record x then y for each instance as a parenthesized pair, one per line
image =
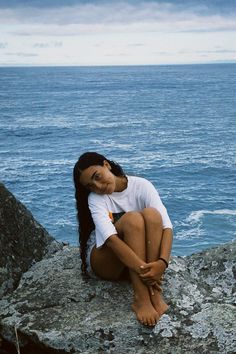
(216, 6)
(106, 12)
(128, 31)
(217, 51)
(114, 17)
(21, 54)
(52, 44)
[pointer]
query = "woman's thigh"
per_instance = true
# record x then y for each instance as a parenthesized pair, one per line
(105, 264)
(103, 260)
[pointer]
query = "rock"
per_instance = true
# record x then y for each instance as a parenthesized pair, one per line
(54, 307)
(55, 310)
(23, 241)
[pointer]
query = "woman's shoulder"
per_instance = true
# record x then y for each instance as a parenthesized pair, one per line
(139, 184)
(138, 180)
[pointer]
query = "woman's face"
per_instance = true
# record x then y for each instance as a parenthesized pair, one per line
(99, 179)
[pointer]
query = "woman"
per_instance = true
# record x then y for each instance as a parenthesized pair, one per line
(123, 225)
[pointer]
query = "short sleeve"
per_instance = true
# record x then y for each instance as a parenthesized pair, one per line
(152, 199)
(104, 227)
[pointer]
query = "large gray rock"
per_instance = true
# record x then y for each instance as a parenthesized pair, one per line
(54, 307)
(55, 310)
(23, 241)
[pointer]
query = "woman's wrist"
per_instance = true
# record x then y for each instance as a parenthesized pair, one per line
(164, 261)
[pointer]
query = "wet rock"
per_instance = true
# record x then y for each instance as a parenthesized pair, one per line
(23, 241)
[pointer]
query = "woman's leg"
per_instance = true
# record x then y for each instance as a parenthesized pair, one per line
(106, 264)
(131, 229)
(154, 232)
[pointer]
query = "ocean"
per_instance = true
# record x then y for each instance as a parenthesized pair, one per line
(174, 125)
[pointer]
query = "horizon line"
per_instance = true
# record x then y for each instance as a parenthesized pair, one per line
(114, 65)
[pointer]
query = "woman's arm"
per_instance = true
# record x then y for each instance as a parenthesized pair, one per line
(166, 244)
(153, 271)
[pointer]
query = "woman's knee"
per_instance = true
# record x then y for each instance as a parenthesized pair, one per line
(132, 221)
(152, 216)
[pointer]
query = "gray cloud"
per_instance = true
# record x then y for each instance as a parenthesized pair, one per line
(216, 6)
(127, 11)
(120, 17)
(163, 27)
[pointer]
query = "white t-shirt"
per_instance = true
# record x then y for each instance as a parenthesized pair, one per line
(139, 194)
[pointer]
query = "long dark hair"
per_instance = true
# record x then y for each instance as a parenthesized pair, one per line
(86, 224)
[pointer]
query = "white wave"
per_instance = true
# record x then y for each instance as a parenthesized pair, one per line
(63, 223)
(189, 234)
(193, 227)
(196, 216)
(112, 143)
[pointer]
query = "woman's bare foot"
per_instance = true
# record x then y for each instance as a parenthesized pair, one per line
(145, 312)
(158, 302)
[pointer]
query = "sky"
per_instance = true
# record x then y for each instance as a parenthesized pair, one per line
(128, 32)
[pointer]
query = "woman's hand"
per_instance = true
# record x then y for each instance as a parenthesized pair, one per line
(152, 273)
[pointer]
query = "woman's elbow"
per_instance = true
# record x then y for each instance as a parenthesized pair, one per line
(110, 242)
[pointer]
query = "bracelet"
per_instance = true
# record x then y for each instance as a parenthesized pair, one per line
(166, 263)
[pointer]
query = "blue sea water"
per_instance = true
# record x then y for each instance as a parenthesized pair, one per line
(174, 125)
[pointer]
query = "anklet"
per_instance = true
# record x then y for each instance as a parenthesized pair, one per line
(162, 259)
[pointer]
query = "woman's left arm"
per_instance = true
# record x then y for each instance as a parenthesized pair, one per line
(166, 244)
(153, 271)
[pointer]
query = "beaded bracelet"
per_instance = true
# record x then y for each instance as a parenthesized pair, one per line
(162, 259)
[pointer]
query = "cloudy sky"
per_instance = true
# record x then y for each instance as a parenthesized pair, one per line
(109, 32)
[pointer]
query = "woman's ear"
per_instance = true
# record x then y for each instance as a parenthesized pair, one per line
(106, 164)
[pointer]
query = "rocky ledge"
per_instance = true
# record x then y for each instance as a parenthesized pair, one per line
(55, 310)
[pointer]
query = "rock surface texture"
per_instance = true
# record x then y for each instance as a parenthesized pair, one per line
(55, 310)
(23, 241)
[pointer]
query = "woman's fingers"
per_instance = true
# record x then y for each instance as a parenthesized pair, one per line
(151, 290)
(154, 286)
(144, 269)
(145, 272)
(158, 287)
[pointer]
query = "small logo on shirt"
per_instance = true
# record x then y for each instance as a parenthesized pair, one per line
(111, 216)
(115, 216)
